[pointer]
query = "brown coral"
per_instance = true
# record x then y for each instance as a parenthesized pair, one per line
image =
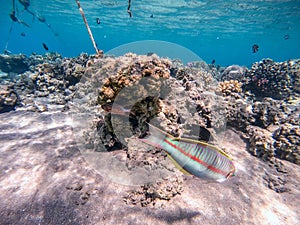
(228, 87)
(287, 138)
(274, 79)
(137, 86)
(261, 143)
(8, 98)
(153, 68)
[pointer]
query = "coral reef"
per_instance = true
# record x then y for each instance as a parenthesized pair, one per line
(8, 98)
(112, 97)
(196, 98)
(48, 76)
(14, 63)
(261, 143)
(263, 122)
(274, 79)
(137, 87)
(268, 112)
(151, 67)
(287, 139)
(198, 85)
(262, 102)
(230, 87)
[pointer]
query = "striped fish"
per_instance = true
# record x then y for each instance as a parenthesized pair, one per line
(194, 157)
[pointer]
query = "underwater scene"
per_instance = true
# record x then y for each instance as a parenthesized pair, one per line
(150, 112)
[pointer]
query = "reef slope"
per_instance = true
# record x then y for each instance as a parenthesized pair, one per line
(45, 178)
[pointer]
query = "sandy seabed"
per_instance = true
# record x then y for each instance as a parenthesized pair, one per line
(45, 180)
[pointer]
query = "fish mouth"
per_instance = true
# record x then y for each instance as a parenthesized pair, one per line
(230, 174)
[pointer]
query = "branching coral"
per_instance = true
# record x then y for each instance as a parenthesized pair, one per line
(261, 143)
(229, 87)
(272, 79)
(287, 138)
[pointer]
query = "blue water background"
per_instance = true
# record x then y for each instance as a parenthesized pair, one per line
(220, 30)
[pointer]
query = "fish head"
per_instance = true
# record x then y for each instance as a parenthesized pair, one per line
(42, 19)
(232, 172)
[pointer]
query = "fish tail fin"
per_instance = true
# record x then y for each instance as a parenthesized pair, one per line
(156, 137)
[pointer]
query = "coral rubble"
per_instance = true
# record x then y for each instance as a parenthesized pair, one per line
(150, 194)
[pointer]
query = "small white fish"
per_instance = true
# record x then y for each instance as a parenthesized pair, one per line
(117, 109)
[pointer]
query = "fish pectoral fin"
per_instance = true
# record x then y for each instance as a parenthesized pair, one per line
(221, 180)
(178, 166)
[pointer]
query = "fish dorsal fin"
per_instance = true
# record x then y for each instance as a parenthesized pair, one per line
(177, 165)
(212, 147)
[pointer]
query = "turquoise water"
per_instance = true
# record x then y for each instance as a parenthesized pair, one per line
(220, 30)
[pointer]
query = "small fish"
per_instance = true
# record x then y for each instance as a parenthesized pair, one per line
(213, 61)
(23, 34)
(45, 47)
(7, 52)
(255, 48)
(286, 37)
(41, 18)
(116, 109)
(13, 17)
(199, 133)
(151, 16)
(98, 20)
(193, 157)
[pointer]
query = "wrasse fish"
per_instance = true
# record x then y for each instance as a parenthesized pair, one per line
(194, 157)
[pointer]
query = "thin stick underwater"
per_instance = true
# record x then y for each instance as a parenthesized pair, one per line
(99, 52)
